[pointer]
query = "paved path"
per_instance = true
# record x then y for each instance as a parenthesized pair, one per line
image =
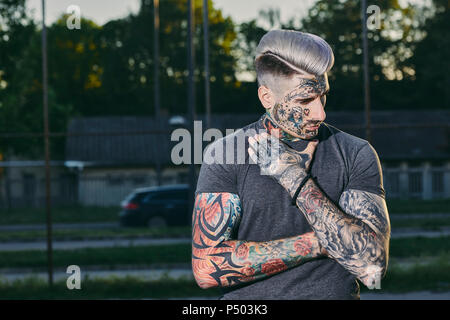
(29, 227)
(155, 274)
(143, 274)
(106, 225)
(70, 245)
(401, 216)
(416, 232)
(109, 243)
(422, 295)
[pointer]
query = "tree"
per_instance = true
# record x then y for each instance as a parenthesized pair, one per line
(19, 72)
(127, 59)
(339, 22)
(106, 70)
(430, 60)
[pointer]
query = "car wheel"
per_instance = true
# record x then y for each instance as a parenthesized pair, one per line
(157, 222)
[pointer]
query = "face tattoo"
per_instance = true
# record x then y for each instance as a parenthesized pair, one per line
(289, 113)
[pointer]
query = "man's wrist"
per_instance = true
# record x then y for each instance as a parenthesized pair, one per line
(291, 179)
(299, 188)
(308, 184)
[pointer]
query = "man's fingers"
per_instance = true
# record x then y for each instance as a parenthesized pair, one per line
(260, 144)
(252, 155)
(259, 150)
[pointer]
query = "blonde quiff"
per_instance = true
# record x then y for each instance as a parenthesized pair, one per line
(283, 53)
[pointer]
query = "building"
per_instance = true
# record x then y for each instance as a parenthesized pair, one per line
(108, 157)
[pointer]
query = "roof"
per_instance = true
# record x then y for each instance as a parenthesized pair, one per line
(121, 141)
(401, 135)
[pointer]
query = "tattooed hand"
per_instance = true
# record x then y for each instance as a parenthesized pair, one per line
(278, 160)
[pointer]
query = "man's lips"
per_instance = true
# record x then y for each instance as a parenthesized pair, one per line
(313, 127)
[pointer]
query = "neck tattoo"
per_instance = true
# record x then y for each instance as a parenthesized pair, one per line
(269, 125)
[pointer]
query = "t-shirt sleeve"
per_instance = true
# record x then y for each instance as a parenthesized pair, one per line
(366, 173)
(217, 176)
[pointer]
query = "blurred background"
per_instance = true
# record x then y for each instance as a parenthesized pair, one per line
(88, 105)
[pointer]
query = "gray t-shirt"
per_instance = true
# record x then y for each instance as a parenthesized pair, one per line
(341, 162)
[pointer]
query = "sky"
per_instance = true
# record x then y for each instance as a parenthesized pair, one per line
(101, 11)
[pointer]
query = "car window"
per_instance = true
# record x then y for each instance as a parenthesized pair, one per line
(170, 195)
(136, 197)
(149, 196)
(166, 195)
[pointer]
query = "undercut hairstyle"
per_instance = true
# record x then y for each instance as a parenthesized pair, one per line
(284, 53)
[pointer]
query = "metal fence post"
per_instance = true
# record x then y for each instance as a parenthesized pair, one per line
(47, 148)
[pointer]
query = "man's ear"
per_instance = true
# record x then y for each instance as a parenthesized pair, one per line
(266, 96)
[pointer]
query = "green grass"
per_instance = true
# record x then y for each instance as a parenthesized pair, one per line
(432, 277)
(163, 254)
(419, 246)
(130, 233)
(96, 234)
(72, 214)
(119, 232)
(109, 288)
(418, 206)
(80, 214)
(431, 224)
(180, 253)
(416, 264)
(421, 223)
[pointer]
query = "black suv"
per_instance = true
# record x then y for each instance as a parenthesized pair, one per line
(157, 207)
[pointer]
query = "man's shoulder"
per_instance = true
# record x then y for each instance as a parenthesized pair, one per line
(344, 139)
(358, 151)
(232, 148)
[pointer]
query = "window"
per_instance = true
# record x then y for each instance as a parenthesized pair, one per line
(67, 186)
(164, 196)
(415, 183)
(437, 180)
(29, 185)
(29, 188)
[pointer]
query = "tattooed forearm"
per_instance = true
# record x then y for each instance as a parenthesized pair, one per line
(357, 238)
(219, 261)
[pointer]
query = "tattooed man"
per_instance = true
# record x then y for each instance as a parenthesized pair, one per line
(304, 215)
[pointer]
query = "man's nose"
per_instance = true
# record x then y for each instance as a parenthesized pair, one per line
(316, 111)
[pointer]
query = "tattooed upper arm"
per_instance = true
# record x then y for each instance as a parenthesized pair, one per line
(368, 207)
(217, 260)
(215, 218)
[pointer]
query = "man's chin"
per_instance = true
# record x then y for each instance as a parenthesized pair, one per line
(305, 134)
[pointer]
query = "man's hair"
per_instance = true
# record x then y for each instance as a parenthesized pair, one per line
(283, 53)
